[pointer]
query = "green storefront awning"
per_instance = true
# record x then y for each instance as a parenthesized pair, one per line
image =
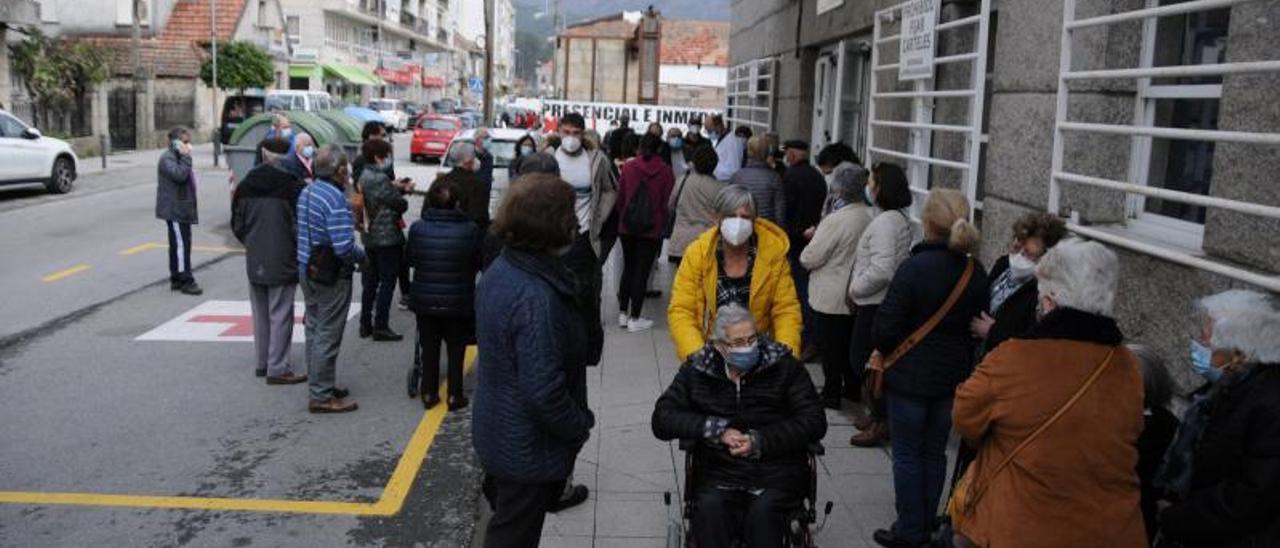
(353, 74)
(304, 71)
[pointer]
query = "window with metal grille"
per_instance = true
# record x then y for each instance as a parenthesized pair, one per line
(749, 95)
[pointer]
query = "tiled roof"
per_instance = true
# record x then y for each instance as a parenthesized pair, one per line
(165, 58)
(689, 42)
(189, 20)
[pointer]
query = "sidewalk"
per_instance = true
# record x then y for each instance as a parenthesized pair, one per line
(201, 155)
(628, 470)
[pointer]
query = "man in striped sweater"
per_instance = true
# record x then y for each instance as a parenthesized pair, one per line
(324, 220)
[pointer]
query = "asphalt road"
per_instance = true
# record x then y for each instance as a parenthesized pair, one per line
(113, 441)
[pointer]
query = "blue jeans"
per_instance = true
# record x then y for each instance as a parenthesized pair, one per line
(918, 430)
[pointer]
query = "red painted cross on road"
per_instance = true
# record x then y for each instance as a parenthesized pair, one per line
(240, 326)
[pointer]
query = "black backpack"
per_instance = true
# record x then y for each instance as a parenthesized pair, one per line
(639, 216)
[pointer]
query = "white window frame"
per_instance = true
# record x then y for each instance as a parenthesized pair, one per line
(294, 39)
(749, 73)
(1174, 243)
(124, 12)
(919, 156)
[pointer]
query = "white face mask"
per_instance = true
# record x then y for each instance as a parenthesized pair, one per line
(570, 144)
(1020, 267)
(736, 230)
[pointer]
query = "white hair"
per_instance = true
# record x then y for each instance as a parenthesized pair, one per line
(1245, 321)
(1080, 274)
(729, 315)
(462, 153)
(731, 198)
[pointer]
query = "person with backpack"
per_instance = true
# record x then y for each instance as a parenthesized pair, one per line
(643, 192)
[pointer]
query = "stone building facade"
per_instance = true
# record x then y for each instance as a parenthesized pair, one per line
(788, 60)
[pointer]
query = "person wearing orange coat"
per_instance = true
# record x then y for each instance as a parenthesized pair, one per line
(1075, 484)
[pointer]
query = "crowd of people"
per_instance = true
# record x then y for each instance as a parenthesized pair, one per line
(1070, 437)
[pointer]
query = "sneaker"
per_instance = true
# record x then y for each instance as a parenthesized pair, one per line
(191, 288)
(573, 495)
(636, 325)
(623, 319)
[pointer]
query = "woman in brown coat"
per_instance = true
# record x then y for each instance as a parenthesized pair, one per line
(1075, 483)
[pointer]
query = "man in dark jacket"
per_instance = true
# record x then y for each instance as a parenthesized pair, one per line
(806, 192)
(262, 218)
(752, 410)
(473, 192)
(485, 158)
(299, 161)
(444, 252)
(176, 206)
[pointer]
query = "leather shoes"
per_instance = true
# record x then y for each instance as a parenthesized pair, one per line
(259, 372)
(191, 288)
(875, 435)
(832, 402)
(458, 402)
(287, 378)
(887, 538)
(863, 422)
(365, 331)
(572, 496)
(332, 405)
(430, 401)
(386, 334)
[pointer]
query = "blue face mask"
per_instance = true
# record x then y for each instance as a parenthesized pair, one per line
(1202, 362)
(526, 150)
(743, 358)
(676, 143)
(308, 152)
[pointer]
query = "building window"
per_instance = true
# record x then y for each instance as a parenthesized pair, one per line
(124, 12)
(49, 11)
(293, 28)
(749, 95)
(1197, 38)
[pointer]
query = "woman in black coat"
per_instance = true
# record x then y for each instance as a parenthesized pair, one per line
(445, 253)
(1013, 280)
(1223, 470)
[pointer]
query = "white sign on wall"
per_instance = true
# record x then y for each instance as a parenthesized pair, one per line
(828, 5)
(917, 42)
(599, 115)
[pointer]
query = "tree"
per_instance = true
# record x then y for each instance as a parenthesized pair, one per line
(57, 73)
(241, 65)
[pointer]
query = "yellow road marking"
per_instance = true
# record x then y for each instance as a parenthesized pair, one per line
(389, 503)
(153, 245)
(64, 273)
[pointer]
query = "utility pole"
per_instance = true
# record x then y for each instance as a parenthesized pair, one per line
(213, 32)
(139, 79)
(489, 41)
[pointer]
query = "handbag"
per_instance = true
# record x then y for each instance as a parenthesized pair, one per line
(322, 264)
(878, 364)
(966, 493)
(671, 215)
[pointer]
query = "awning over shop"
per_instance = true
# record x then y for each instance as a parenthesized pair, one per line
(432, 81)
(304, 71)
(353, 74)
(397, 77)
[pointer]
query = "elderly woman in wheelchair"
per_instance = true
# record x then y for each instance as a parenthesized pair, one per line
(753, 417)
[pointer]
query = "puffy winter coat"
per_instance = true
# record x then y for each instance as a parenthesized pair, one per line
(773, 300)
(1235, 483)
(944, 358)
(262, 218)
(529, 414)
(383, 205)
(776, 402)
(445, 253)
(766, 187)
(829, 257)
(883, 246)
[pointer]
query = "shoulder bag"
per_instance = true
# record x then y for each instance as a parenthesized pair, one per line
(967, 492)
(322, 263)
(877, 365)
(671, 215)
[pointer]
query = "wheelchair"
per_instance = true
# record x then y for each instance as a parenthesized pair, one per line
(801, 530)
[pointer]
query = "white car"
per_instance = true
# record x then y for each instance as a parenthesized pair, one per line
(393, 113)
(26, 156)
(293, 99)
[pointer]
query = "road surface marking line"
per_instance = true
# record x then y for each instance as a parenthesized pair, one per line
(153, 245)
(64, 273)
(140, 248)
(389, 504)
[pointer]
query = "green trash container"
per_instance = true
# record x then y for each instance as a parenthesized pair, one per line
(242, 147)
(348, 129)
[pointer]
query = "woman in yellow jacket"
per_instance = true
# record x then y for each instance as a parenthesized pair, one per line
(741, 260)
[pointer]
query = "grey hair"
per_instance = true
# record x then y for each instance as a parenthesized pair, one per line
(730, 199)
(1080, 274)
(177, 132)
(1245, 321)
(1157, 386)
(729, 315)
(462, 153)
(278, 117)
(329, 159)
(850, 178)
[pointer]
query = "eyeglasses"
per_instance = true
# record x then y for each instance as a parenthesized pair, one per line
(742, 341)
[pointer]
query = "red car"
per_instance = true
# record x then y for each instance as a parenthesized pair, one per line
(431, 136)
